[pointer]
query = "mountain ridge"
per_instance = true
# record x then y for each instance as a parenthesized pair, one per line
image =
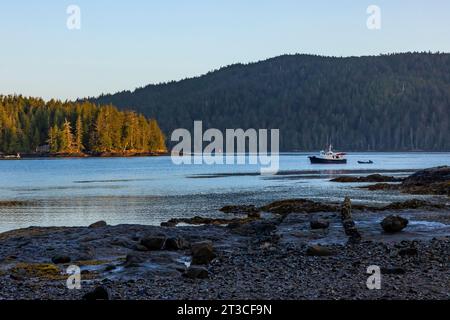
(390, 102)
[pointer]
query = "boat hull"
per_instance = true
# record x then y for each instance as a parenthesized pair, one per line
(316, 160)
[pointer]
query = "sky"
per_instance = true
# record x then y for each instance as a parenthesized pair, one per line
(122, 45)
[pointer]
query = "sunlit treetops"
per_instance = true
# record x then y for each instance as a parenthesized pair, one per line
(69, 127)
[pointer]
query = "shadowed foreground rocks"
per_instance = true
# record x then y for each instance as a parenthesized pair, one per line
(275, 256)
(287, 249)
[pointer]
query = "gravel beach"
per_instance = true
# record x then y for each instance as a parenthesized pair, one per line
(271, 262)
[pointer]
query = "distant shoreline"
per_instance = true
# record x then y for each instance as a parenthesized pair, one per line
(27, 156)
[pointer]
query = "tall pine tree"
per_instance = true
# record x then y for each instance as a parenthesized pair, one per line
(79, 135)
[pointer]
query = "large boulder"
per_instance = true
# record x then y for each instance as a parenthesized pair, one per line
(153, 242)
(202, 252)
(393, 224)
(98, 224)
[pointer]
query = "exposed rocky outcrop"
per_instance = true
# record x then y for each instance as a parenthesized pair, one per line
(381, 187)
(434, 181)
(207, 221)
(412, 204)
(98, 224)
(308, 206)
(370, 178)
(255, 228)
(428, 181)
(428, 176)
(298, 206)
(240, 209)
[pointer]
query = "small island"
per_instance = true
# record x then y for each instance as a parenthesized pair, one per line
(32, 127)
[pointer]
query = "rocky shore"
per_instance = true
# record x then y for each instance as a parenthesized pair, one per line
(433, 181)
(288, 249)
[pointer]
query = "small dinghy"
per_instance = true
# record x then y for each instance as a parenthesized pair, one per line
(365, 162)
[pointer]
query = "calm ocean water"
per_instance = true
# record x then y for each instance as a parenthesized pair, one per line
(77, 192)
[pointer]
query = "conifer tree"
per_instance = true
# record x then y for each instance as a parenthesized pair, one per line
(53, 139)
(79, 135)
(67, 143)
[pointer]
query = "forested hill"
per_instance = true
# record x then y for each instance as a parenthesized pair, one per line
(28, 125)
(389, 102)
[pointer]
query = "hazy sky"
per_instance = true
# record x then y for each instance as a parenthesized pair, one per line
(121, 46)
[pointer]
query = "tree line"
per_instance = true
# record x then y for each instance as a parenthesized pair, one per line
(27, 124)
(395, 102)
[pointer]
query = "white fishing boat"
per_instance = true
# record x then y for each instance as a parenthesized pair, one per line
(328, 157)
